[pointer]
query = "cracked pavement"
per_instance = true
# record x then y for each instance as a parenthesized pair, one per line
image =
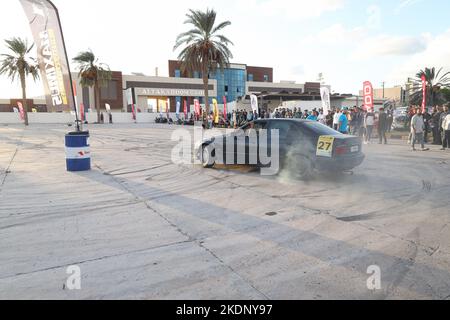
(141, 227)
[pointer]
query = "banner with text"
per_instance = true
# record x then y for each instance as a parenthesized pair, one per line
(368, 96)
(225, 111)
(326, 100)
(216, 111)
(424, 93)
(52, 57)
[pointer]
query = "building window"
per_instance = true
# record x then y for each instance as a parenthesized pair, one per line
(226, 88)
(266, 78)
(250, 77)
(177, 73)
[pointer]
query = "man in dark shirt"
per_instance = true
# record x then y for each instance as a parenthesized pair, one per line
(382, 126)
(426, 120)
(435, 120)
(390, 117)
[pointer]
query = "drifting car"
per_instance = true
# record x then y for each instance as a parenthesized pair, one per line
(304, 146)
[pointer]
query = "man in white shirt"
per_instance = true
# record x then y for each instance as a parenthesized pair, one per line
(369, 122)
(417, 130)
(336, 118)
(321, 117)
(446, 130)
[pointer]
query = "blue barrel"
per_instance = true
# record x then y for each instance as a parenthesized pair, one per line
(78, 151)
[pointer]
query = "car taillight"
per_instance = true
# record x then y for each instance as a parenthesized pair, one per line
(341, 150)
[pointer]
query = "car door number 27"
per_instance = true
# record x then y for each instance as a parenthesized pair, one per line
(325, 146)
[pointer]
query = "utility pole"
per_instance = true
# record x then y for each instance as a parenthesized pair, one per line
(383, 84)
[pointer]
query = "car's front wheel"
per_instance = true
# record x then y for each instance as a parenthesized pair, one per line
(208, 156)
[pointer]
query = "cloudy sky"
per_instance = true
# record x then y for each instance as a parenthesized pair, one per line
(349, 41)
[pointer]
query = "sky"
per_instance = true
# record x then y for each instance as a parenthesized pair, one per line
(348, 41)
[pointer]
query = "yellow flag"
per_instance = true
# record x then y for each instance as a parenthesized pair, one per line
(216, 111)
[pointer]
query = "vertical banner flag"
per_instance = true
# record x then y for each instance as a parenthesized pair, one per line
(197, 107)
(368, 96)
(51, 52)
(74, 88)
(82, 116)
(326, 100)
(178, 107)
(21, 111)
(216, 112)
(130, 102)
(424, 93)
(225, 111)
(185, 109)
(254, 101)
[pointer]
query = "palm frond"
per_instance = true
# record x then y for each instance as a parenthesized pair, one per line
(90, 71)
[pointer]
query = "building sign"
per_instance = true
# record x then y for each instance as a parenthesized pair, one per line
(169, 92)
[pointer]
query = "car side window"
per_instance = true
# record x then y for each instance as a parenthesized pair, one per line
(284, 128)
(260, 125)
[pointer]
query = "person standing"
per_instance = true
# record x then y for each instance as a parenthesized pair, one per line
(411, 114)
(435, 120)
(426, 119)
(441, 122)
(417, 130)
(343, 122)
(390, 120)
(369, 122)
(321, 117)
(383, 124)
(313, 116)
(336, 118)
(446, 130)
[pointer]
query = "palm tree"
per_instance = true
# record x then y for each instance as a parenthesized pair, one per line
(435, 84)
(19, 65)
(205, 50)
(93, 74)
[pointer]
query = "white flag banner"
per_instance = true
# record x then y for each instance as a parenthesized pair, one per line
(108, 108)
(326, 100)
(254, 102)
(178, 107)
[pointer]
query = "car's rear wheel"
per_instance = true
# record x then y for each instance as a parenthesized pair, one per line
(208, 156)
(299, 167)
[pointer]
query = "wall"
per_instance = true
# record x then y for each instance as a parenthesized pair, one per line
(65, 118)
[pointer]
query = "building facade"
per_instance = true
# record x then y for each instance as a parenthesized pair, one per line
(154, 94)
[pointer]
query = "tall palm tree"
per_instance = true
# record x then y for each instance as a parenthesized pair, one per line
(435, 83)
(18, 64)
(205, 50)
(93, 74)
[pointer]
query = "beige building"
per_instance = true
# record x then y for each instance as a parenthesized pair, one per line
(395, 94)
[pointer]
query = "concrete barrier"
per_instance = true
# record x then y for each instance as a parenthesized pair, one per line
(64, 118)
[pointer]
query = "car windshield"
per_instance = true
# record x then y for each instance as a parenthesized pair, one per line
(320, 129)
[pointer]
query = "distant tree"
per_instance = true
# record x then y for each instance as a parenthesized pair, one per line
(446, 94)
(435, 84)
(18, 64)
(204, 49)
(93, 74)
